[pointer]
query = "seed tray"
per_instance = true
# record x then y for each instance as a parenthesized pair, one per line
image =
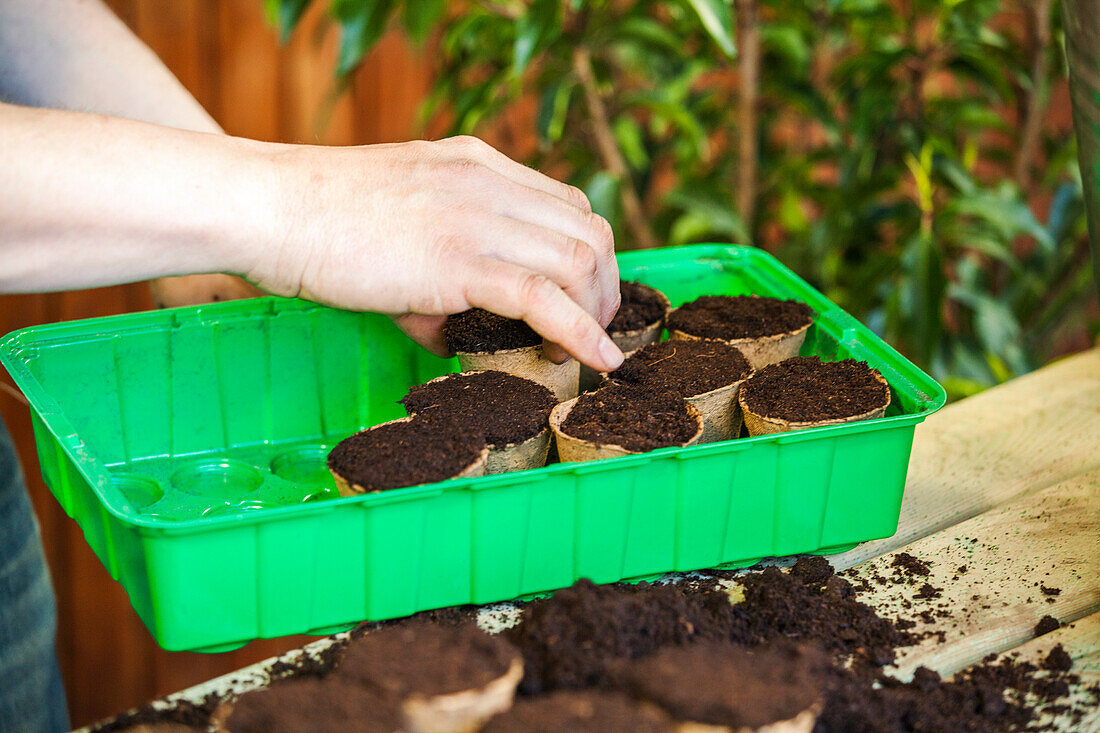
(190, 446)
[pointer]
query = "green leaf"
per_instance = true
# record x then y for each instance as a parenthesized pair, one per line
(553, 110)
(420, 16)
(362, 23)
(717, 19)
(602, 190)
(629, 136)
(285, 14)
(533, 29)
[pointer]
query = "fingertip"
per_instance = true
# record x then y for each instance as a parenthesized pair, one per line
(555, 353)
(611, 354)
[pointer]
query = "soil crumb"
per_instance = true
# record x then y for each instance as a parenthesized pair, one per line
(1046, 625)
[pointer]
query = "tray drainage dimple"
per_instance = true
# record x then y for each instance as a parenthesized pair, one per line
(140, 492)
(224, 479)
(307, 468)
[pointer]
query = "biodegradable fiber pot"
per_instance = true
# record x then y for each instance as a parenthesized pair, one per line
(761, 350)
(494, 403)
(347, 486)
(762, 424)
(680, 368)
(484, 340)
(635, 338)
(462, 712)
(571, 448)
(801, 723)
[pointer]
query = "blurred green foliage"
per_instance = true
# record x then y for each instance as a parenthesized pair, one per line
(888, 171)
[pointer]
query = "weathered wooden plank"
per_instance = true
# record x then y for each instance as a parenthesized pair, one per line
(1050, 539)
(997, 446)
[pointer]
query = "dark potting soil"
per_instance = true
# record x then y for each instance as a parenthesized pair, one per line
(636, 418)
(739, 316)
(179, 712)
(404, 454)
(580, 712)
(423, 658)
(321, 706)
(502, 408)
(570, 639)
(640, 307)
(720, 683)
(1046, 625)
(688, 368)
(1058, 660)
(806, 389)
(478, 331)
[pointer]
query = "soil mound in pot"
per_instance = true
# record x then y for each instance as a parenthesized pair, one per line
(426, 659)
(403, 453)
(688, 368)
(636, 418)
(323, 706)
(478, 331)
(806, 389)
(580, 712)
(570, 639)
(640, 307)
(732, 317)
(502, 408)
(720, 683)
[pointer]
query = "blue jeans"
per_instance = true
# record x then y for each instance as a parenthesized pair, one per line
(32, 697)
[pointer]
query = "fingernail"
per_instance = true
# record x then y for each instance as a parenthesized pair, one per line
(611, 354)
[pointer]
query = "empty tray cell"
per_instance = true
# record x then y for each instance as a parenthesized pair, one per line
(225, 479)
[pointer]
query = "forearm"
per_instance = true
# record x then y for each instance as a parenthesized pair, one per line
(88, 200)
(77, 55)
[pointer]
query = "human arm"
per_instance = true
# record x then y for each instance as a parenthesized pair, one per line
(417, 230)
(77, 55)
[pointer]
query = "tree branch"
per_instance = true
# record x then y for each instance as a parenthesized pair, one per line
(749, 70)
(1035, 110)
(610, 154)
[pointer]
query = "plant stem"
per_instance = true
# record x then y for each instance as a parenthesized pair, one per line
(610, 154)
(1035, 110)
(749, 70)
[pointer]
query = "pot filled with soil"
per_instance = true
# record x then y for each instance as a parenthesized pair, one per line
(417, 678)
(484, 340)
(404, 452)
(581, 711)
(805, 392)
(707, 373)
(639, 321)
(512, 414)
(766, 330)
(720, 686)
(620, 420)
(445, 679)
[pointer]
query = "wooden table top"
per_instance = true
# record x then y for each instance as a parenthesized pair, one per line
(1006, 483)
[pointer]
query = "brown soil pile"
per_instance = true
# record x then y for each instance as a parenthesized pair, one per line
(739, 316)
(636, 418)
(478, 331)
(688, 368)
(1046, 625)
(319, 706)
(720, 683)
(403, 454)
(423, 658)
(640, 306)
(500, 407)
(580, 712)
(570, 639)
(806, 389)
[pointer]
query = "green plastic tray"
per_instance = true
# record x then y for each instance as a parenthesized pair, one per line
(190, 446)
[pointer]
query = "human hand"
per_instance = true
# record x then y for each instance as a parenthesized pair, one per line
(170, 292)
(421, 230)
